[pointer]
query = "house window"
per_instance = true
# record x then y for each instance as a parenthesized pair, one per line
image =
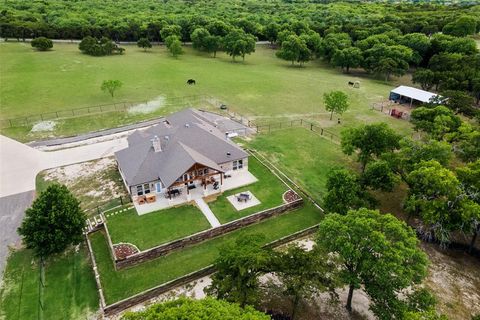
(146, 188)
(139, 190)
(237, 164)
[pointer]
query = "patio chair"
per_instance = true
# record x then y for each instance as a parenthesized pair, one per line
(215, 185)
(141, 200)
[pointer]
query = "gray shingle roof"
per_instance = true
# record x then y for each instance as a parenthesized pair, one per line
(186, 139)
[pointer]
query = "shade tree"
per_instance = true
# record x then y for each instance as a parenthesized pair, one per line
(333, 42)
(238, 43)
(436, 197)
(294, 49)
(303, 274)
(144, 43)
(335, 101)
(204, 309)
(347, 58)
(437, 121)
(469, 177)
(369, 141)
(174, 45)
(388, 60)
(344, 192)
(463, 26)
(239, 266)
(171, 30)
(377, 252)
(111, 86)
(53, 222)
(411, 152)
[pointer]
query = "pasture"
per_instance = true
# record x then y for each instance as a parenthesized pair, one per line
(262, 87)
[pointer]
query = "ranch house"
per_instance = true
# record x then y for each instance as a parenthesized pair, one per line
(184, 157)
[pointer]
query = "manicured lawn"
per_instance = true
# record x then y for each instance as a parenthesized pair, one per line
(70, 291)
(263, 85)
(268, 190)
(157, 227)
(304, 156)
(122, 284)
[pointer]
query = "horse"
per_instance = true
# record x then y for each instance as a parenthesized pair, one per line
(191, 81)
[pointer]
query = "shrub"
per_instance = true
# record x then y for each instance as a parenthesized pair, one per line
(42, 43)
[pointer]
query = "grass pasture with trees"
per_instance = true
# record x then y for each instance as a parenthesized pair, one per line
(425, 171)
(261, 87)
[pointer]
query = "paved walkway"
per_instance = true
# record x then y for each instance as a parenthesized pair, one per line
(202, 205)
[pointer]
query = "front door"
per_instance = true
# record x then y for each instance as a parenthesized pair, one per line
(158, 187)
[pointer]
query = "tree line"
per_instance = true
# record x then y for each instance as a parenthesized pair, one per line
(395, 39)
(441, 171)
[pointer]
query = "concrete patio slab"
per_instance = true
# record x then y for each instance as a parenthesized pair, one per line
(241, 205)
(238, 179)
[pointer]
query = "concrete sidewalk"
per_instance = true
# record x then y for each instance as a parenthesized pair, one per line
(203, 206)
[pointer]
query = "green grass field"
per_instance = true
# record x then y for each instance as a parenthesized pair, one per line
(155, 228)
(262, 86)
(124, 283)
(268, 190)
(304, 156)
(70, 291)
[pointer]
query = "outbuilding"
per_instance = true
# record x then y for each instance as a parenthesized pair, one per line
(410, 95)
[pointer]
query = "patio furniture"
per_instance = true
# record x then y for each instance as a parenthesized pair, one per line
(216, 185)
(151, 198)
(243, 197)
(173, 192)
(227, 176)
(141, 200)
(192, 186)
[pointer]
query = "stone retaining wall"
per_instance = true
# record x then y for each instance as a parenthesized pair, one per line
(156, 291)
(167, 248)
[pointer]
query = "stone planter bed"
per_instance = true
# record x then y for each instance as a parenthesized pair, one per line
(290, 196)
(123, 250)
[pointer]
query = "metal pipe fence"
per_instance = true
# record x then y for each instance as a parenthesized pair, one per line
(96, 109)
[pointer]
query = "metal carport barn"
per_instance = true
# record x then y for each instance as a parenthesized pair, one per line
(411, 94)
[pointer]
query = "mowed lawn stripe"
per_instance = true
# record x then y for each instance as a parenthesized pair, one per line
(70, 291)
(121, 284)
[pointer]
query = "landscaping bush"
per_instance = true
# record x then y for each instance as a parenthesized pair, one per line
(99, 47)
(42, 44)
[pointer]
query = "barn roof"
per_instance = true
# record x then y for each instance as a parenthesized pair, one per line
(414, 93)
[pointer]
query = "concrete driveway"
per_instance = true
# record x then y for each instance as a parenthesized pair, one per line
(19, 166)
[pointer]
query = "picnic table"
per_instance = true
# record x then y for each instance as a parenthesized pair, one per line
(243, 197)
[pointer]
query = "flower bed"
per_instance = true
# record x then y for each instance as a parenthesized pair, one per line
(123, 250)
(290, 196)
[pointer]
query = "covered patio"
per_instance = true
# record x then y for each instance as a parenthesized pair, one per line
(196, 189)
